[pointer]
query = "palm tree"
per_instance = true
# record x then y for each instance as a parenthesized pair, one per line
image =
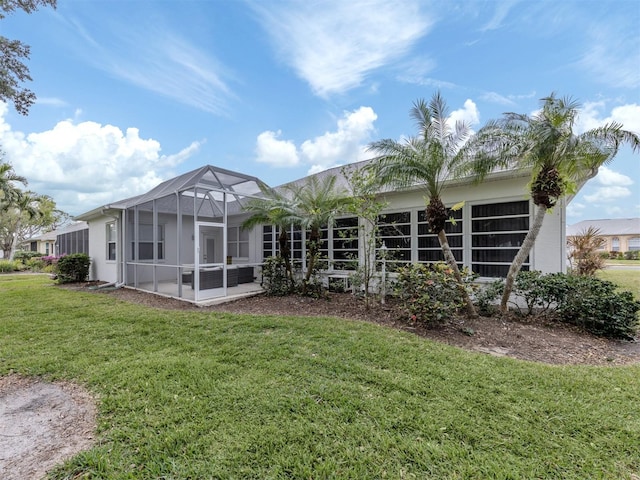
(559, 159)
(429, 159)
(9, 193)
(274, 209)
(317, 204)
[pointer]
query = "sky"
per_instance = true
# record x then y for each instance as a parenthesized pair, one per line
(132, 93)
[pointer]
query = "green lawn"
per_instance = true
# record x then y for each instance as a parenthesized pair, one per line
(627, 279)
(205, 395)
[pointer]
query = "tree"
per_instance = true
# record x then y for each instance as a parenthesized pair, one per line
(274, 209)
(430, 160)
(33, 215)
(13, 71)
(317, 203)
(584, 251)
(559, 159)
(368, 207)
(9, 192)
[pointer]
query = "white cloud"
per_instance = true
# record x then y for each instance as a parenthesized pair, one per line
(613, 59)
(84, 165)
(501, 12)
(275, 152)
(468, 113)
(333, 45)
(346, 144)
(608, 194)
(608, 177)
(591, 116)
(154, 58)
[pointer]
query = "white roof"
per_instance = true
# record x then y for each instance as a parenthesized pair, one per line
(607, 226)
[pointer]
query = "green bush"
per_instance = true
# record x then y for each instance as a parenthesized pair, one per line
(24, 256)
(274, 274)
(604, 255)
(73, 268)
(7, 266)
(594, 305)
(632, 255)
(487, 296)
(429, 294)
(35, 264)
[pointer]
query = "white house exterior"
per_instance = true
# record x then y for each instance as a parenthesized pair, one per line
(155, 242)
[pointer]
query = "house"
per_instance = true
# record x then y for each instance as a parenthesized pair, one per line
(620, 234)
(44, 244)
(184, 237)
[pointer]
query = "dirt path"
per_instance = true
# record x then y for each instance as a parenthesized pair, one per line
(41, 425)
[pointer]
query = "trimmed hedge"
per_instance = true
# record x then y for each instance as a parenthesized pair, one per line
(73, 268)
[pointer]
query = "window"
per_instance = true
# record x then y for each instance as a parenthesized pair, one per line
(497, 232)
(394, 231)
(271, 247)
(145, 242)
(111, 241)
(237, 242)
(429, 249)
(615, 244)
(46, 248)
(634, 244)
(345, 244)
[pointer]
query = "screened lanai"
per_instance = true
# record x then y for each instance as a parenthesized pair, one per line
(177, 237)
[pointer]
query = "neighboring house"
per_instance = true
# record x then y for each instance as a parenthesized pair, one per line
(620, 234)
(44, 244)
(184, 237)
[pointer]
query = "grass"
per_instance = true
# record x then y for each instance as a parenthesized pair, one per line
(205, 395)
(626, 279)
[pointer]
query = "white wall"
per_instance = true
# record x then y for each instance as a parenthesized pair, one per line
(101, 268)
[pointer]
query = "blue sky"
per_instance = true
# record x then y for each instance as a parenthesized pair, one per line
(131, 93)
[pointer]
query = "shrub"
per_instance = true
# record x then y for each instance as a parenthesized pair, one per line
(24, 256)
(487, 296)
(73, 268)
(594, 305)
(604, 255)
(632, 255)
(430, 294)
(7, 266)
(35, 264)
(275, 279)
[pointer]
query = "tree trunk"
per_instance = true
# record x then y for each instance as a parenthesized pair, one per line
(523, 253)
(285, 253)
(451, 261)
(313, 250)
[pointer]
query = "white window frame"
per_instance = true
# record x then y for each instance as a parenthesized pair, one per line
(111, 233)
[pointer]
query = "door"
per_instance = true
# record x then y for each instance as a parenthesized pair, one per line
(209, 281)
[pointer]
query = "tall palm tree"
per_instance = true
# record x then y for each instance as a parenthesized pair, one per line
(274, 209)
(429, 159)
(317, 204)
(559, 159)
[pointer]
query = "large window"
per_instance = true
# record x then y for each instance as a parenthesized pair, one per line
(429, 249)
(634, 244)
(394, 232)
(111, 241)
(497, 232)
(345, 244)
(145, 242)
(237, 242)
